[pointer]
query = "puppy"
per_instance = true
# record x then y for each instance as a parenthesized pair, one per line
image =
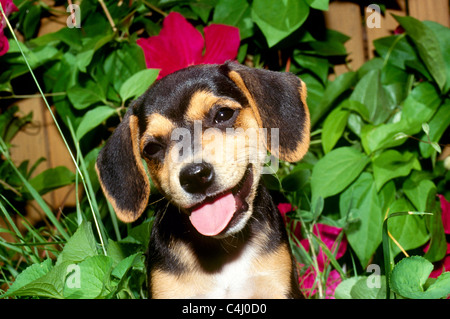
(204, 132)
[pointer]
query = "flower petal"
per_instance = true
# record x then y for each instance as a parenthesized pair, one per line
(221, 43)
(4, 44)
(333, 280)
(329, 234)
(284, 208)
(177, 46)
(8, 7)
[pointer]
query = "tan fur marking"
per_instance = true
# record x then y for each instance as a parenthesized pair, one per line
(157, 125)
(170, 286)
(303, 145)
(275, 271)
(201, 103)
(236, 78)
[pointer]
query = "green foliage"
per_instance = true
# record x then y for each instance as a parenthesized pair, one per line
(82, 272)
(410, 280)
(376, 135)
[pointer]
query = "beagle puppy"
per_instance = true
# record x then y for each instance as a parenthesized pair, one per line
(204, 133)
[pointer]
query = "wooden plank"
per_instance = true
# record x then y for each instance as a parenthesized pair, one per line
(58, 155)
(345, 17)
(41, 138)
(386, 27)
(434, 10)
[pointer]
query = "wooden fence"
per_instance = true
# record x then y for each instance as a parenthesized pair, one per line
(41, 139)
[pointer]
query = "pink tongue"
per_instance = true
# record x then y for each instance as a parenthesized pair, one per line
(211, 218)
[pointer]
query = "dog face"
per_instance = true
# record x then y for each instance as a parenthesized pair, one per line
(204, 133)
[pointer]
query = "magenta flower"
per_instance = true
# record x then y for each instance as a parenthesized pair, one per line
(180, 45)
(444, 264)
(328, 235)
(8, 7)
(285, 208)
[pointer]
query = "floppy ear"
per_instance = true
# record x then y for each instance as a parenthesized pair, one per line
(121, 172)
(279, 101)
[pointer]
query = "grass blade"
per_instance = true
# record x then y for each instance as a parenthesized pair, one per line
(90, 194)
(34, 193)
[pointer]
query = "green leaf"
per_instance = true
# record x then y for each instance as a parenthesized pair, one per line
(438, 124)
(52, 178)
(82, 98)
(235, 13)
(31, 21)
(30, 274)
(138, 84)
(442, 34)
(318, 66)
(364, 235)
(409, 230)
(409, 278)
(419, 193)
(94, 275)
(90, 46)
(333, 91)
(50, 285)
(391, 164)
(372, 95)
(80, 246)
(140, 234)
(93, 118)
(428, 46)
(397, 51)
(333, 128)
(318, 4)
(343, 290)
(336, 170)
(438, 244)
(418, 107)
(363, 290)
(123, 266)
(296, 180)
(278, 19)
(357, 107)
(123, 63)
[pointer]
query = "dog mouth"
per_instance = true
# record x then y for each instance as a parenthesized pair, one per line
(216, 214)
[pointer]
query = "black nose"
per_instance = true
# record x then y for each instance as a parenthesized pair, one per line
(196, 178)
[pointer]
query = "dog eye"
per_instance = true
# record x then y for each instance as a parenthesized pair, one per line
(223, 115)
(152, 149)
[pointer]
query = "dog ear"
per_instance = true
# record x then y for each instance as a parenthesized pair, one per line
(278, 101)
(121, 173)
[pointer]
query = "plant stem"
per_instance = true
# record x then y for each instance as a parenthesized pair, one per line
(108, 15)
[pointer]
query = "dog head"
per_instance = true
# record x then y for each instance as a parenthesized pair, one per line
(204, 132)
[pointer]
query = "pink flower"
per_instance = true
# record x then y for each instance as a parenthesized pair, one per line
(440, 266)
(180, 45)
(444, 264)
(328, 235)
(399, 30)
(8, 7)
(285, 208)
